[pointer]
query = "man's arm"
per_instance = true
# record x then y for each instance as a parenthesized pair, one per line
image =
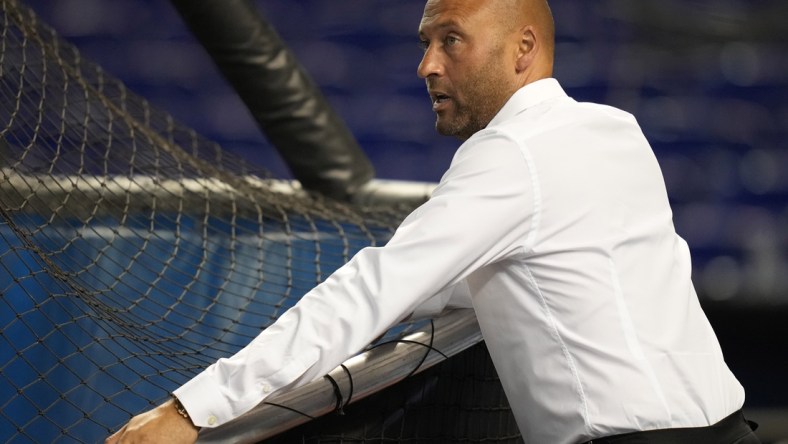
(479, 214)
(454, 297)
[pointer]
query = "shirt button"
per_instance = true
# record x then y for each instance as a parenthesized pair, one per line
(266, 388)
(211, 420)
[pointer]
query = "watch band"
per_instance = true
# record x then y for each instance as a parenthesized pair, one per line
(179, 408)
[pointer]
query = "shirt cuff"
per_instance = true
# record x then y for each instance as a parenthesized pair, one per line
(212, 400)
(204, 401)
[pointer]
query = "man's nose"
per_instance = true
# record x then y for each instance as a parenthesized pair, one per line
(430, 64)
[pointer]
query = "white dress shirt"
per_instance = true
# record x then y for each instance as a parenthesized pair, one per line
(556, 220)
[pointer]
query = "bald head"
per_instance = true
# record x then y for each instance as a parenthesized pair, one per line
(529, 22)
(477, 53)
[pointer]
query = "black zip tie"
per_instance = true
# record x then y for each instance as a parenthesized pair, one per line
(350, 379)
(339, 408)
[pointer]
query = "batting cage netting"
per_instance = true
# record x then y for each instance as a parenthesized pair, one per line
(134, 253)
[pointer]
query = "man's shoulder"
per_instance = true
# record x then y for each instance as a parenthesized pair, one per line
(557, 116)
(602, 110)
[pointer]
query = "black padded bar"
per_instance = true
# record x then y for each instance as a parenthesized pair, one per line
(315, 143)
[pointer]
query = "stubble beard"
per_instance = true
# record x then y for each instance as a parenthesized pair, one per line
(485, 92)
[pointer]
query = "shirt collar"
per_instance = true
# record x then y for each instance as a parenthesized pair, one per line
(528, 96)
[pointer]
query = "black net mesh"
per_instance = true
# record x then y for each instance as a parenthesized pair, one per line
(134, 253)
(459, 400)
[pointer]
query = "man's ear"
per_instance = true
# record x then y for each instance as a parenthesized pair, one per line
(527, 48)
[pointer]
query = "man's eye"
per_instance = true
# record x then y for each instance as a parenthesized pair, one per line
(424, 44)
(451, 40)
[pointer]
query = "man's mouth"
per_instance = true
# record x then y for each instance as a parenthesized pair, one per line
(439, 100)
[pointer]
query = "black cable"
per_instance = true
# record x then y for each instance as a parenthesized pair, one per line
(429, 348)
(340, 405)
(408, 341)
(289, 408)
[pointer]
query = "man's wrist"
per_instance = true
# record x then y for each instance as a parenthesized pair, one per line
(181, 410)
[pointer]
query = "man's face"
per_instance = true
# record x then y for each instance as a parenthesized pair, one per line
(466, 64)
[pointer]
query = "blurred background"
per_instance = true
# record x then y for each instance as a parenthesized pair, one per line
(707, 79)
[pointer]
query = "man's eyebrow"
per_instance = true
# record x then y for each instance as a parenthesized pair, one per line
(450, 23)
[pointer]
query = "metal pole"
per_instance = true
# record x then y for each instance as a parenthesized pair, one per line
(371, 371)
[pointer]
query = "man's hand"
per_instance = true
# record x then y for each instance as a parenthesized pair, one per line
(161, 425)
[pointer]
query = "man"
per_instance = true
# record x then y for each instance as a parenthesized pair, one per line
(554, 219)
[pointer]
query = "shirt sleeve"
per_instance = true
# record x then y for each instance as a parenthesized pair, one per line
(479, 214)
(453, 297)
